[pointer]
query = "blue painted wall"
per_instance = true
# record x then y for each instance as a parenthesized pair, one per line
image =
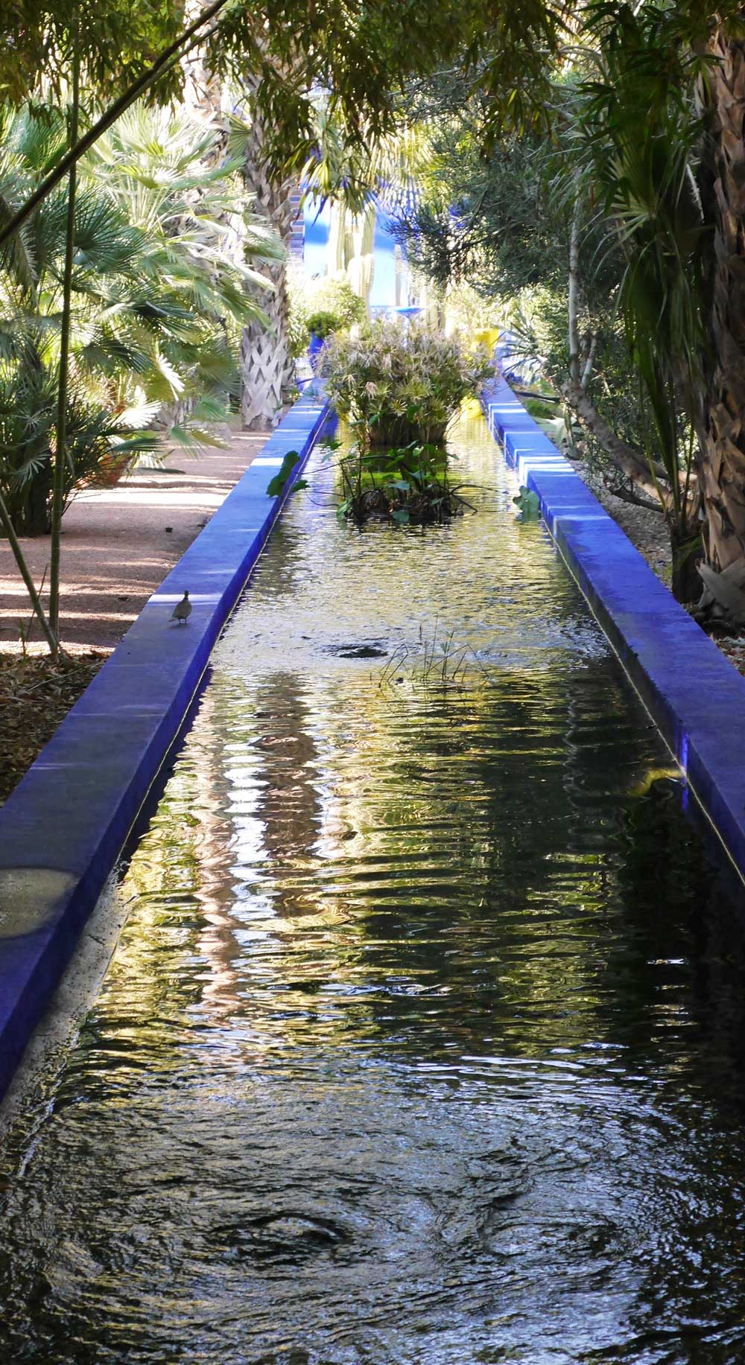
(690, 689)
(65, 824)
(383, 292)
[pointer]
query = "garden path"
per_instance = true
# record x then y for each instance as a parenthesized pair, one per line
(119, 543)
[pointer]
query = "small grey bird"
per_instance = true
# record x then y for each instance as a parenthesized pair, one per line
(182, 610)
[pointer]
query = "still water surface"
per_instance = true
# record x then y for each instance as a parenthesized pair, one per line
(424, 1041)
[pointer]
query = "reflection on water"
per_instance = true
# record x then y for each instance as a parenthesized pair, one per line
(423, 1041)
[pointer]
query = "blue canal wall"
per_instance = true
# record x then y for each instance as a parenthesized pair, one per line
(66, 823)
(693, 693)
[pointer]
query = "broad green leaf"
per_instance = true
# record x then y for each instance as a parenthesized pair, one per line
(277, 484)
(528, 503)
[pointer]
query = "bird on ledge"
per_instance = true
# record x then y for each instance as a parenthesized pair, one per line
(182, 610)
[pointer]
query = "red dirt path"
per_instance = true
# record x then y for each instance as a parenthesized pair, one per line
(116, 548)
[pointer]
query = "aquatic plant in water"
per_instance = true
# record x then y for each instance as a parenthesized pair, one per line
(528, 504)
(402, 485)
(397, 386)
(277, 485)
(435, 663)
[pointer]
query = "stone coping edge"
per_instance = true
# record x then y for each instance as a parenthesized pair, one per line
(692, 692)
(66, 823)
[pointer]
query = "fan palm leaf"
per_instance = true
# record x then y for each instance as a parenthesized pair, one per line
(165, 247)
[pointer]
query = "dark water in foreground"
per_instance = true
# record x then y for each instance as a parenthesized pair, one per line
(424, 1041)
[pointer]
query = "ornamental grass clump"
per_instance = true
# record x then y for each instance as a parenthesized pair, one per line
(399, 386)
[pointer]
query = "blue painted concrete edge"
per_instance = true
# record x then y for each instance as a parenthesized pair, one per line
(693, 693)
(67, 821)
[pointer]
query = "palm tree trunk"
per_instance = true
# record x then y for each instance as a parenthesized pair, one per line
(723, 427)
(61, 456)
(267, 367)
(33, 517)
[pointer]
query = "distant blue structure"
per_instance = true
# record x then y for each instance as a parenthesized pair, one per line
(315, 256)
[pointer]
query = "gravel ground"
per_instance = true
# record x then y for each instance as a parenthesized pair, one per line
(35, 696)
(118, 544)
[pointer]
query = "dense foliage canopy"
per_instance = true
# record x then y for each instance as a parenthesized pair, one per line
(613, 242)
(156, 284)
(362, 51)
(592, 151)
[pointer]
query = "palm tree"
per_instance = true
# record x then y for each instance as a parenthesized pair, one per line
(30, 301)
(680, 100)
(160, 292)
(267, 363)
(723, 467)
(209, 247)
(384, 174)
(631, 153)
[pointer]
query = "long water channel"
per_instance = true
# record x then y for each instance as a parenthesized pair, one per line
(423, 1043)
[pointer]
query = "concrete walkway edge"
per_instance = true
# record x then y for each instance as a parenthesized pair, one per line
(690, 689)
(66, 823)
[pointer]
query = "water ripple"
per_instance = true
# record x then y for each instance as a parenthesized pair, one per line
(423, 1042)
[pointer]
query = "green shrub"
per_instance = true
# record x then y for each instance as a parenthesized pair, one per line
(537, 408)
(331, 295)
(322, 324)
(401, 386)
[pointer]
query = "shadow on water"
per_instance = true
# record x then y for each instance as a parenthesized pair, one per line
(423, 1042)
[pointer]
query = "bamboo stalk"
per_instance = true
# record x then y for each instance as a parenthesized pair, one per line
(60, 454)
(15, 546)
(191, 37)
(67, 165)
(106, 120)
(573, 296)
